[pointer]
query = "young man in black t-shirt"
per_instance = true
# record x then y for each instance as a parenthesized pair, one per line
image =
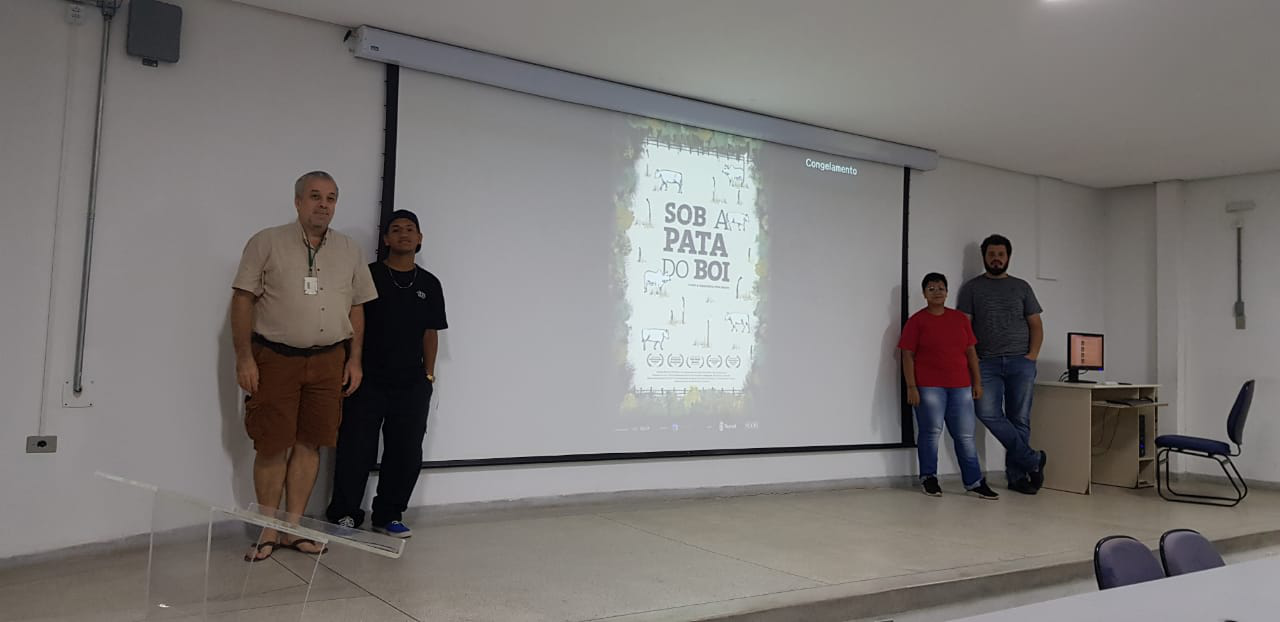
(400, 345)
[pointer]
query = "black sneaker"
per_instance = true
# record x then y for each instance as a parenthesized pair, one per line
(1023, 486)
(983, 491)
(930, 486)
(1037, 476)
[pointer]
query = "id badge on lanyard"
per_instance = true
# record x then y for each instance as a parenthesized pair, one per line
(310, 283)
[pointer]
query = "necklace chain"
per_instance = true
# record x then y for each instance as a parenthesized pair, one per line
(397, 283)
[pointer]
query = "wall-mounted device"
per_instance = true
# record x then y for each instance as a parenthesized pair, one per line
(155, 31)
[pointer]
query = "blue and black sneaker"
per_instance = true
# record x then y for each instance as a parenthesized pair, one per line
(395, 529)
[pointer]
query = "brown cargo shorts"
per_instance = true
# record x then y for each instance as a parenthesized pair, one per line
(299, 400)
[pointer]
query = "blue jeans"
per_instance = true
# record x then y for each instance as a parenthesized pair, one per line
(1005, 408)
(955, 406)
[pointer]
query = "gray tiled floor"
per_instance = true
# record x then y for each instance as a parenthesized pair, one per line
(625, 559)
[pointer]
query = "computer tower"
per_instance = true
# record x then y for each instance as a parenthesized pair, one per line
(1142, 436)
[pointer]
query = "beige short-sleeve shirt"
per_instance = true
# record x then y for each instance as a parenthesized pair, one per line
(274, 267)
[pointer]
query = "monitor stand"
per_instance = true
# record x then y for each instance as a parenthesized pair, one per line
(1073, 376)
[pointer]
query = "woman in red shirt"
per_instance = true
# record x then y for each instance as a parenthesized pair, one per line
(943, 380)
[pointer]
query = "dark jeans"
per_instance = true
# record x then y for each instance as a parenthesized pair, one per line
(397, 408)
(1005, 409)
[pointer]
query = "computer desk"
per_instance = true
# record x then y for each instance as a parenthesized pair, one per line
(1092, 441)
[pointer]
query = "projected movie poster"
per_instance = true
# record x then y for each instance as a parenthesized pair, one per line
(690, 253)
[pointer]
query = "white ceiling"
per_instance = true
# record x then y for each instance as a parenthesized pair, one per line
(1098, 92)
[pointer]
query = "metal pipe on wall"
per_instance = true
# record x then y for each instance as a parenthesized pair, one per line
(108, 12)
(1238, 208)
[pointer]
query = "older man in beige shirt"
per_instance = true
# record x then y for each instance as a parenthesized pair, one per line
(298, 327)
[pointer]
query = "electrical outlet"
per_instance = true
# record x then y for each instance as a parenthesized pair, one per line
(75, 13)
(42, 444)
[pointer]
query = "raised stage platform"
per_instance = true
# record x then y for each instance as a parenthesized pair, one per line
(818, 554)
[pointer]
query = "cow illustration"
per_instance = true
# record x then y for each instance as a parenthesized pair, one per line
(656, 336)
(738, 221)
(738, 322)
(737, 175)
(667, 178)
(655, 282)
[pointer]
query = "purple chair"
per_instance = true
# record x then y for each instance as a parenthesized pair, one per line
(1215, 450)
(1121, 560)
(1185, 550)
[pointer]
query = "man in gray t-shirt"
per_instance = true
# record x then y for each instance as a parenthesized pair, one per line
(1006, 321)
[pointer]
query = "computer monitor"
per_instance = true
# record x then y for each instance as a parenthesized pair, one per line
(1084, 353)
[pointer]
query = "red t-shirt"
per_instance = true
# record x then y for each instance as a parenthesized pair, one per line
(939, 342)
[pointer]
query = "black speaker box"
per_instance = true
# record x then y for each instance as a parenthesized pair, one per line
(155, 31)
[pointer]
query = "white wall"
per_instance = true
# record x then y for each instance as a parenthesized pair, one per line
(1220, 358)
(954, 207)
(257, 98)
(1170, 293)
(1129, 247)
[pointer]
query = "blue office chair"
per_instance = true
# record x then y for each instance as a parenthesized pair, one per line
(1185, 550)
(1217, 451)
(1121, 560)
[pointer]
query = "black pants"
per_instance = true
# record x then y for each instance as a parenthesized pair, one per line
(398, 408)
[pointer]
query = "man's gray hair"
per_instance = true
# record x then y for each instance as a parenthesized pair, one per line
(299, 185)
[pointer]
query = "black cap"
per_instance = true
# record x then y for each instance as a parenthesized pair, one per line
(397, 215)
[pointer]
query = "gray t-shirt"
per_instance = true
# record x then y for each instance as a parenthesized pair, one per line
(999, 308)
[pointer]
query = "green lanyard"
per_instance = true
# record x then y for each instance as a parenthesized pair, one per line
(311, 252)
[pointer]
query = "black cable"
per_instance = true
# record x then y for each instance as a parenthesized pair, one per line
(1114, 429)
(1067, 374)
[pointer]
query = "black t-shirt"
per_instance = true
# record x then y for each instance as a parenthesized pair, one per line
(408, 304)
